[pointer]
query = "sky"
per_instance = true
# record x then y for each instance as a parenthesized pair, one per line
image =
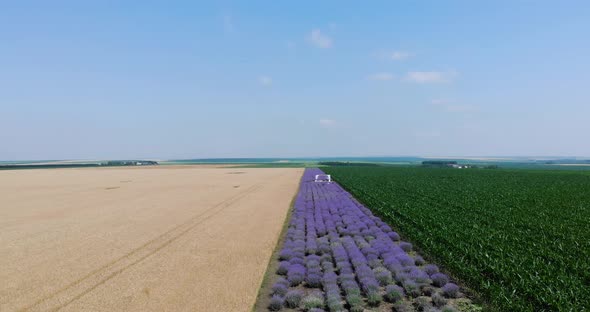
(192, 79)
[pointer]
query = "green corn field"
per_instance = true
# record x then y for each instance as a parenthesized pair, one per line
(519, 238)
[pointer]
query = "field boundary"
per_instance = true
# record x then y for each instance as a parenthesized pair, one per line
(262, 298)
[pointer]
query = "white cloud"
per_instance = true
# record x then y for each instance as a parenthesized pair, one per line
(430, 76)
(327, 123)
(319, 40)
(381, 76)
(399, 55)
(395, 55)
(228, 24)
(265, 80)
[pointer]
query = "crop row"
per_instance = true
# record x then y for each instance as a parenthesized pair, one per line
(338, 256)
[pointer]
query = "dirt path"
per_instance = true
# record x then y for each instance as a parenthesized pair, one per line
(196, 239)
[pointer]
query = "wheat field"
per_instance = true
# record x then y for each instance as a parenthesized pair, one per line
(167, 238)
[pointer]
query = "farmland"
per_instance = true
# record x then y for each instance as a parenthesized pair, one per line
(169, 238)
(337, 256)
(519, 238)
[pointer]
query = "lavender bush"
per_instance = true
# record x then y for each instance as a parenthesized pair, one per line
(276, 303)
(279, 289)
(439, 279)
(296, 274)
(407, 247)
(394, 293)
(438, 300)
(313, 300)
(283, 268)
(450, 290)
(430, 269)
(293, 298)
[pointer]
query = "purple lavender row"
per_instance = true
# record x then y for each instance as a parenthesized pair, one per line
(338, 256)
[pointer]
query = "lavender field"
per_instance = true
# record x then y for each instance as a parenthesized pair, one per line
(338, 256)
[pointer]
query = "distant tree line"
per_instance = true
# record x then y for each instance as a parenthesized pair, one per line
(438, 163)
(565, 161)
(454, 164)
(46, 166)
(347, 163)
(112, 163)
(131, 163)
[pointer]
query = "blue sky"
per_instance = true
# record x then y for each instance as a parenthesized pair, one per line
(187, 79)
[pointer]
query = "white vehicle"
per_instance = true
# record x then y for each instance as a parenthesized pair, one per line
(323, 178)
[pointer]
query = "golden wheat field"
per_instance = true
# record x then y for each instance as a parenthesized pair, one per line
(165, 238)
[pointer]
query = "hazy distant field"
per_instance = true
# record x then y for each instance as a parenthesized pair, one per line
(139, 239)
